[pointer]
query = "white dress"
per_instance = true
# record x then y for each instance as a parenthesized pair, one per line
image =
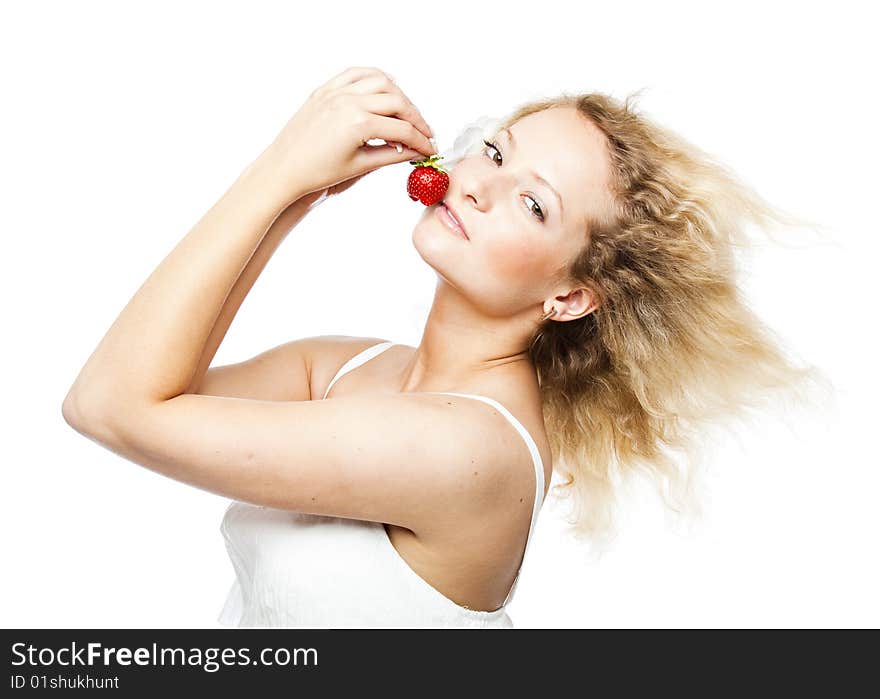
(309, 571)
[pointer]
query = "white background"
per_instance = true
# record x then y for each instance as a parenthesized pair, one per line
(123, 124)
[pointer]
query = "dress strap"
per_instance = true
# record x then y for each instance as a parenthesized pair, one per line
(357, 360)
(536, 460)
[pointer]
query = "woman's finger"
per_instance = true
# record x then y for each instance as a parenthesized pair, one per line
(382, 85)
(372, 158)
(399, 147)
(391, 129)
(370, 82)
(395, 104)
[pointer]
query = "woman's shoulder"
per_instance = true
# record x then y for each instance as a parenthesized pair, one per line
(330, 352)
(335, 347)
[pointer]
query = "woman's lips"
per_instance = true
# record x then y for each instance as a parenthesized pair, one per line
(442, 212)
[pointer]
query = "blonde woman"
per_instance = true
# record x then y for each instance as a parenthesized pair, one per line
(586, 318)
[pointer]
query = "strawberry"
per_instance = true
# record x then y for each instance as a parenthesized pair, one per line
(428, 182)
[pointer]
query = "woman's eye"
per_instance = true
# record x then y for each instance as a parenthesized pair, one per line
(540, 213)
(489, 144)
(496, 149)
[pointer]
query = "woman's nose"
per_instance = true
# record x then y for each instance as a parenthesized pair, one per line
(476, 187)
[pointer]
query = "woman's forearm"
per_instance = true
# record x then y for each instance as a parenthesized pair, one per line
(155, 346)
(278, 231)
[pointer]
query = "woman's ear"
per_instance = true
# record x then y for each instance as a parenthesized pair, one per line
(575, 304)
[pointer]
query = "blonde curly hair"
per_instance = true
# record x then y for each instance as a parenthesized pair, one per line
(673, 346)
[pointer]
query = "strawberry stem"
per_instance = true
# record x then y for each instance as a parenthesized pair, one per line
(431, 161)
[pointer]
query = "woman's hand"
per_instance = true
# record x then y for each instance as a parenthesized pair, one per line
(323, 146)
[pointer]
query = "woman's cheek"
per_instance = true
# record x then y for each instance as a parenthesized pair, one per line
(516, 259)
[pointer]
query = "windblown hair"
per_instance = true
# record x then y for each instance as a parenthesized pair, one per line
(672, 346)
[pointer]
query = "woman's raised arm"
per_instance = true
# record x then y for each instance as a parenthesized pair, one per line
(160, 341)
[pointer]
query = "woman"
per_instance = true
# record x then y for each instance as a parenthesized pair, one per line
(586, 317)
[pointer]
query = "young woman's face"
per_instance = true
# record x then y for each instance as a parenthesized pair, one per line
(522, 233)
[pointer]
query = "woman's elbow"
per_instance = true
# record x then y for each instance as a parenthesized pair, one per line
(80, 412)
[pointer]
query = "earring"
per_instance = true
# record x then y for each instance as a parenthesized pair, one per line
(550, 313)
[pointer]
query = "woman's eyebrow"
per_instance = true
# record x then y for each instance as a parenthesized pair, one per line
(507, 132)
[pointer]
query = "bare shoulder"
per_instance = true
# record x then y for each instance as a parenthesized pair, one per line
(329, 352)
(291, 371)
(335, 347)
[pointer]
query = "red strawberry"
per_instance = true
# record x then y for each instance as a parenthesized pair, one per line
(428, 182)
